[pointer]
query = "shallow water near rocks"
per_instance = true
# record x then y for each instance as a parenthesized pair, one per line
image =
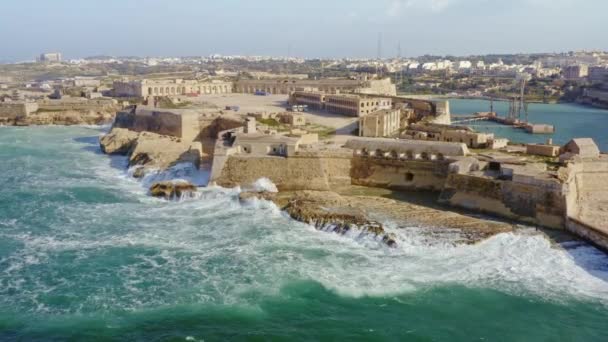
(86, 254)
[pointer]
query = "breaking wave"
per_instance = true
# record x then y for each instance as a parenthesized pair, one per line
(64, 254)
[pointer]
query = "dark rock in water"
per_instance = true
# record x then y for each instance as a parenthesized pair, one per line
(139, 172)
(171, 190)
(390, 240)
(139, 159)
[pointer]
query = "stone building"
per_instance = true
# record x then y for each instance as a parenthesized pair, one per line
(406, 149)
(313, 99)
(356, 105)
(12, 110)
(332, 86)
(170, 87)
(383, 123)
(576, 72)
(460, 134)
(50, 57)
(293, 119)
(179, 123)
(545, 150)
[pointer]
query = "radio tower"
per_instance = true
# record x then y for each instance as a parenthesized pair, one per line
(379, 46)
(379, 56)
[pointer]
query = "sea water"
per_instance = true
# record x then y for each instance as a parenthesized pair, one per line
(570, 121)
(86, 254)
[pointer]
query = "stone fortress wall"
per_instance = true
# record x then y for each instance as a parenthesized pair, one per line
(13, 110)
(443, 168)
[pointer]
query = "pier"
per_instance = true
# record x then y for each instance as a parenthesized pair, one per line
(531, 128)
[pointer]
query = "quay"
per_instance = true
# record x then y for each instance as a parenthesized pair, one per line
(529, 127)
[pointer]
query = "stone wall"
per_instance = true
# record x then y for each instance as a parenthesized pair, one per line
(535, 201)
(588, 232)
(13, 110)
(293, 173)
(399, 174)
(77, 104)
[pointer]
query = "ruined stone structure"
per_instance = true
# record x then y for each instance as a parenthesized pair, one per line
(170, 87)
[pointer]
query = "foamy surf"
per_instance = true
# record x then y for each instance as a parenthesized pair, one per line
(132, 252)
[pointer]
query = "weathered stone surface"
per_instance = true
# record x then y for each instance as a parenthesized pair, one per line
(329, 211)
(171, 190)
(118, 141)
(66, 118)
(161, 152)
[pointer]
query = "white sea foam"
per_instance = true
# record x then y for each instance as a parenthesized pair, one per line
(262, 185)
(144, 252)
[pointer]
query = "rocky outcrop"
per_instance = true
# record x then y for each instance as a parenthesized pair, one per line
(325, 211)
(149, 150)
(65, 118)
(330, 211)
(171, 190)
(118, 141)
(161, 152)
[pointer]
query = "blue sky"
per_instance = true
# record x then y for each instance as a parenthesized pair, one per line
(313, 28)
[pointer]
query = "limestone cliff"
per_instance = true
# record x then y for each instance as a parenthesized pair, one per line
(150, 150)
(65, 118)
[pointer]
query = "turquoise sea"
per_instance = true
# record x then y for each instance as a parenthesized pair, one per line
(86, 255)
(570, 121)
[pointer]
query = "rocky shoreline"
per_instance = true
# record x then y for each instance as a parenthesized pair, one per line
(61, 118)
(342, 212)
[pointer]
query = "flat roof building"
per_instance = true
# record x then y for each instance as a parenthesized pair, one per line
(382, 123)
(170, 87)
(356, 105)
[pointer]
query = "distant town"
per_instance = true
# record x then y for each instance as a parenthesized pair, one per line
(560, 77)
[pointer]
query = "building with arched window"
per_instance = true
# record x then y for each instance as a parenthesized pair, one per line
(170, 87)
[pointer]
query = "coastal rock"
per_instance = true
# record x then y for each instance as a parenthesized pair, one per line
(67, 118)
(329, 211)
(161, 152)
(139, 172)
(118, 141)
(169, 190)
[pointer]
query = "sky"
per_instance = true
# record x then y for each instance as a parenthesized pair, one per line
(303, 28)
